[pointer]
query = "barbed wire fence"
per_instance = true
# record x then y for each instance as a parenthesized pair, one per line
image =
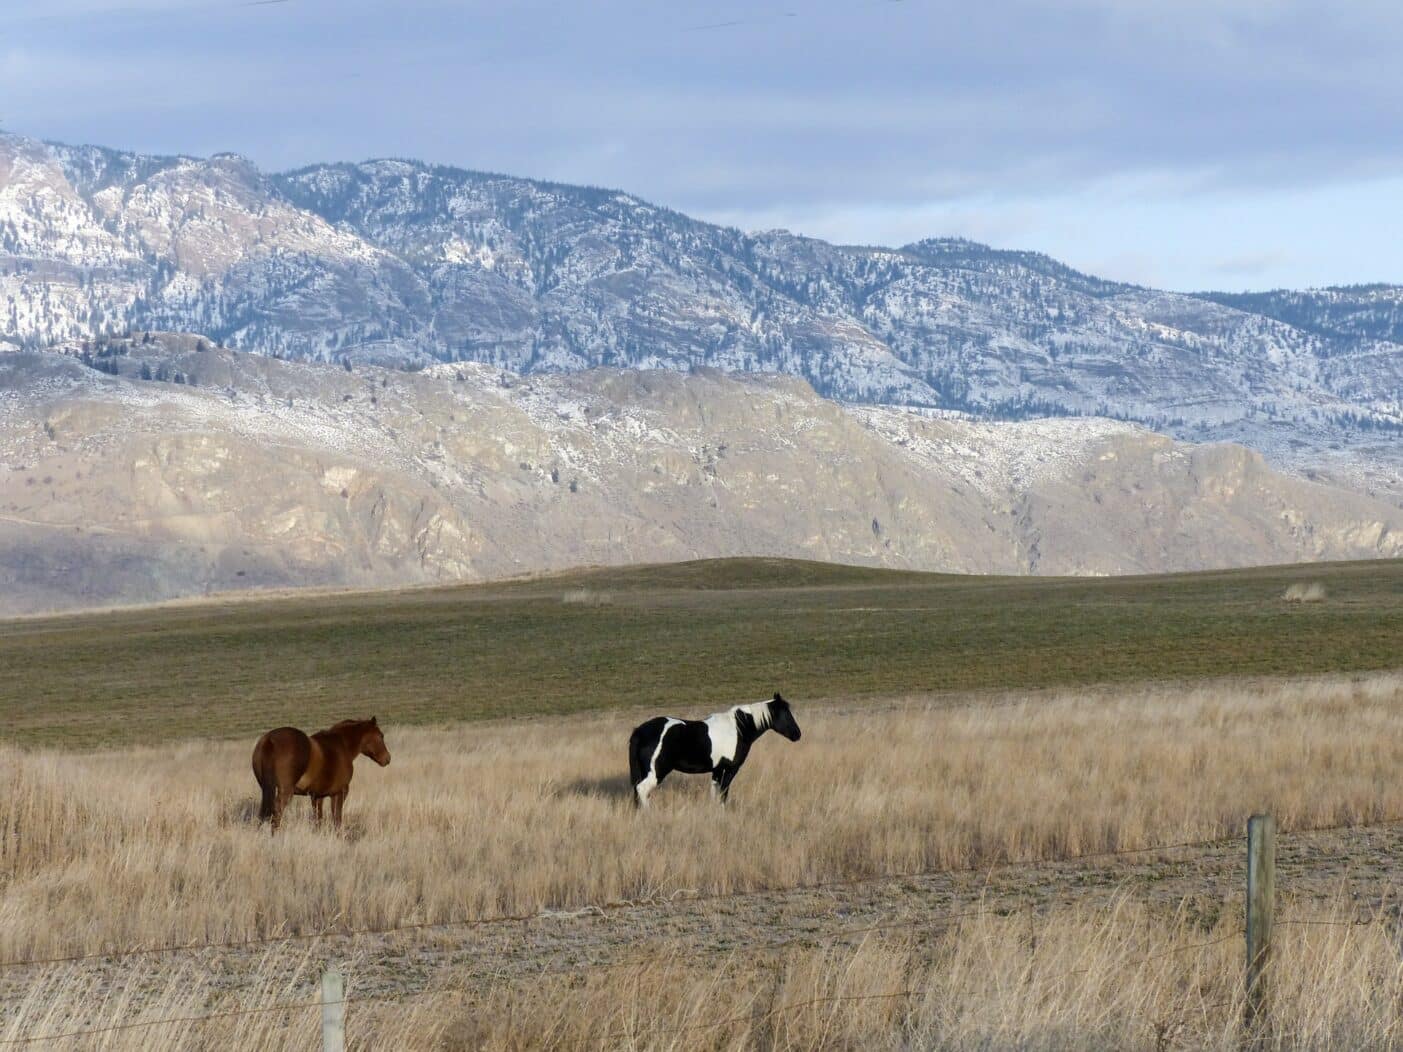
(333, 1001)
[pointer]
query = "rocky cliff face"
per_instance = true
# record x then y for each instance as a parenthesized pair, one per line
(399, 262)
(160, 469)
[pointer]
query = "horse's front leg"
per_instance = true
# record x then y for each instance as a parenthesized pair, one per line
(317, 802)
(338, 804)
(721, 782)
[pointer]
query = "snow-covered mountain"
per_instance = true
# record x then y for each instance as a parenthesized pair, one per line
(165, 466)
(404, 263)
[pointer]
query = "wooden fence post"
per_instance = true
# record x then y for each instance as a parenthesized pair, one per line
(1261, 894)
(333, 1010)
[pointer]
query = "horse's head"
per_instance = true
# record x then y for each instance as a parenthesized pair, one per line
(782, 719)
(372, 743)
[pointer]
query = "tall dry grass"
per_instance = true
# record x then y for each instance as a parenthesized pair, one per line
(1113, 979)
(159, 846)
(165, 1005)
(1075, 980)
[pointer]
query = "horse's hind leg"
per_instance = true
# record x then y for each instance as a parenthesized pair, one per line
(647, 764)
(644, 786)
(656, 773)
(317, 810)
(280, 802)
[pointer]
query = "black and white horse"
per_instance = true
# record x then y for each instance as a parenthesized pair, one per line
(717, 745)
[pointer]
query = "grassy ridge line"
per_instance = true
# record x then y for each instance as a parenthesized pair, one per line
(682, 637)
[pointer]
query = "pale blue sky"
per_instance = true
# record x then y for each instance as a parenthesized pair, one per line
(1194, 144)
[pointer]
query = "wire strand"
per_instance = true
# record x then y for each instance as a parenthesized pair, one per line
(168, 1021)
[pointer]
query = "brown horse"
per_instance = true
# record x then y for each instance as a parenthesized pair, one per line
(288, 763)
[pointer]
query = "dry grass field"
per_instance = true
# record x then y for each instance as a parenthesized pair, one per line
(153, 846)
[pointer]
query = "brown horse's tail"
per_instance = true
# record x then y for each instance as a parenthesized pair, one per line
(267, 778)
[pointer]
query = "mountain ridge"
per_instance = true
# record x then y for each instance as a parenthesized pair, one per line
(403, 263)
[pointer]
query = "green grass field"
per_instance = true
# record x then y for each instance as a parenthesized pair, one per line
(682, 638)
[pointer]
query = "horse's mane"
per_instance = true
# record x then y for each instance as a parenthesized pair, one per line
(759, 712)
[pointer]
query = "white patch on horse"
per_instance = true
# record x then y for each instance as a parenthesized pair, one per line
(724, 734)
(650, 781)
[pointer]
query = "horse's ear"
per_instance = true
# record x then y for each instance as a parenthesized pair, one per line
(373, 723)
(777, 697)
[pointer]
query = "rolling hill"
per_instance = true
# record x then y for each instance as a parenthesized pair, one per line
(163, 466)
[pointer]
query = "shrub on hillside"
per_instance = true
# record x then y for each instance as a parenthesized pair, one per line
(1314, 592)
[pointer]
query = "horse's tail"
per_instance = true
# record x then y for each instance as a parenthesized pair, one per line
(637, 761)
(265, 806)
(267, 778)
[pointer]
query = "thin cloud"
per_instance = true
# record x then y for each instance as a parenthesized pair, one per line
(1253, 264)
(715, 25)
(734, 22)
